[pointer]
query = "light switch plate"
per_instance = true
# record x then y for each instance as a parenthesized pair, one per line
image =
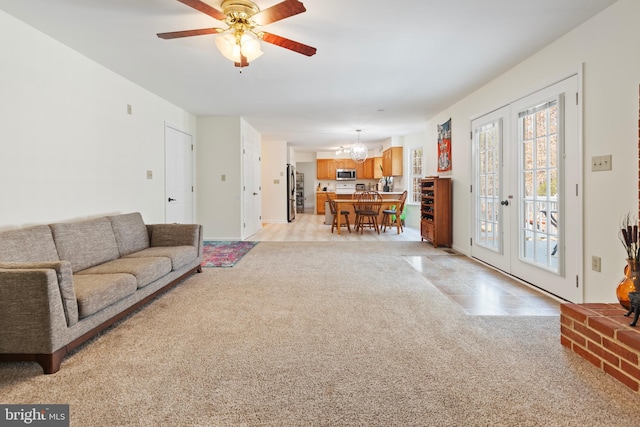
(601, 163)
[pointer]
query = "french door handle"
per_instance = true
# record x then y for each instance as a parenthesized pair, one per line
(504, 203)
(172, 200)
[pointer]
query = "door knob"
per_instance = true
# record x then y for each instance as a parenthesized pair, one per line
(504, 203)
(172, 200)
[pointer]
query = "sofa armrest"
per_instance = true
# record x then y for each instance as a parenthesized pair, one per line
(176, 235)
(64, 277)
(32, 316)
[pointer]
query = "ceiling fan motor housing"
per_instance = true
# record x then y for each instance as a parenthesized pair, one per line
(239, 9)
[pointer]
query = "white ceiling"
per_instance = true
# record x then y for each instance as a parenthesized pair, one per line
(384, 67)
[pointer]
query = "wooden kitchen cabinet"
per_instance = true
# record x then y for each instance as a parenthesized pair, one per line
(436, 224)
(367, 169)
(322, 169)
(392, 161)
(345, 164)
(364, 170)
(377, 162)
(321, 197)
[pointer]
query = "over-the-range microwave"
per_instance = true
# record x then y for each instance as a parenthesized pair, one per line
(345, 174)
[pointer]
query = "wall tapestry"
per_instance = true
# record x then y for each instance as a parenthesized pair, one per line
(444, 146)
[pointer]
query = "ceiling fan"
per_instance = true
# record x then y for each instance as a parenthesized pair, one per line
(239, 42)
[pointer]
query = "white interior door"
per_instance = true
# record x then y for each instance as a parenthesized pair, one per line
(178, 177)
(527, 205)
(252, 200)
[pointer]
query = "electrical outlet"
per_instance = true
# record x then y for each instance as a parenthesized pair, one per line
(129, 109)
(601, 163)
(596, 263)
(149, 174)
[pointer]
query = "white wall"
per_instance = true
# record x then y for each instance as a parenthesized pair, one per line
(607, 45)
(69, 149)
(219, 177)
(274, 182)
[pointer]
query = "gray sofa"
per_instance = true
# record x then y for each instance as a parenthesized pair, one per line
(61, 284)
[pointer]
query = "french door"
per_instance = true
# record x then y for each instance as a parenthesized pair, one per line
(527, 210)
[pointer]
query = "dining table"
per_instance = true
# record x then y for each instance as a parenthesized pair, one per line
(348, 204)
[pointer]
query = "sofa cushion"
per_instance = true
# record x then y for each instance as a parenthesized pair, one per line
(145, 270)
(131, 233)
(174, 235)
(97, 291)
(179, 255)
(32, 244)
(85, 243)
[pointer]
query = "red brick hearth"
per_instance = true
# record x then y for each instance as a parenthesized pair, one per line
(600, 333)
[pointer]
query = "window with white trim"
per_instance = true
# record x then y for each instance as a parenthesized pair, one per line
(416, 163)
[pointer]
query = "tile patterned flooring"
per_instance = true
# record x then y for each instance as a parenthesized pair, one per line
(477, 288)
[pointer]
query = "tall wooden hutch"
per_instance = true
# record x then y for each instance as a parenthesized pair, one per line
(436, 224)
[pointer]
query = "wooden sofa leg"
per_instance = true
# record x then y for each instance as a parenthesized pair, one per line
(51, 362)
(199, 269)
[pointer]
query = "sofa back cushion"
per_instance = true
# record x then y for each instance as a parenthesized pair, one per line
(131, 233)
(33, 244)
(85, 243)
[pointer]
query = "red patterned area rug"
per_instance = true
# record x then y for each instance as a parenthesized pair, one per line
(223, 253)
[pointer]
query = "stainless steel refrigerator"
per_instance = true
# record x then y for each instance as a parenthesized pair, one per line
(291, 192)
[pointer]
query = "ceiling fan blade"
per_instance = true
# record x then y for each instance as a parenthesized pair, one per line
(288, 44)
(189, 33)
(205, 8)
(280, 11)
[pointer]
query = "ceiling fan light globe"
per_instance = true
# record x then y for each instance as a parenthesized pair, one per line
(226, 44)
(250, 47)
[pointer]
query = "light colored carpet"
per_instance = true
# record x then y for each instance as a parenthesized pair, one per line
(319, 334)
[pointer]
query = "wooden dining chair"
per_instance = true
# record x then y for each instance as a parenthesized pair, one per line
(356, 208)
(334, 215)
(397, 211)
(369, 204)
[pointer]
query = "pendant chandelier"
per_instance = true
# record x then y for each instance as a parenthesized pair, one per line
(358, 150)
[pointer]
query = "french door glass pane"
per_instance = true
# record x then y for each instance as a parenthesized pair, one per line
(539, 185)
(488, 229)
